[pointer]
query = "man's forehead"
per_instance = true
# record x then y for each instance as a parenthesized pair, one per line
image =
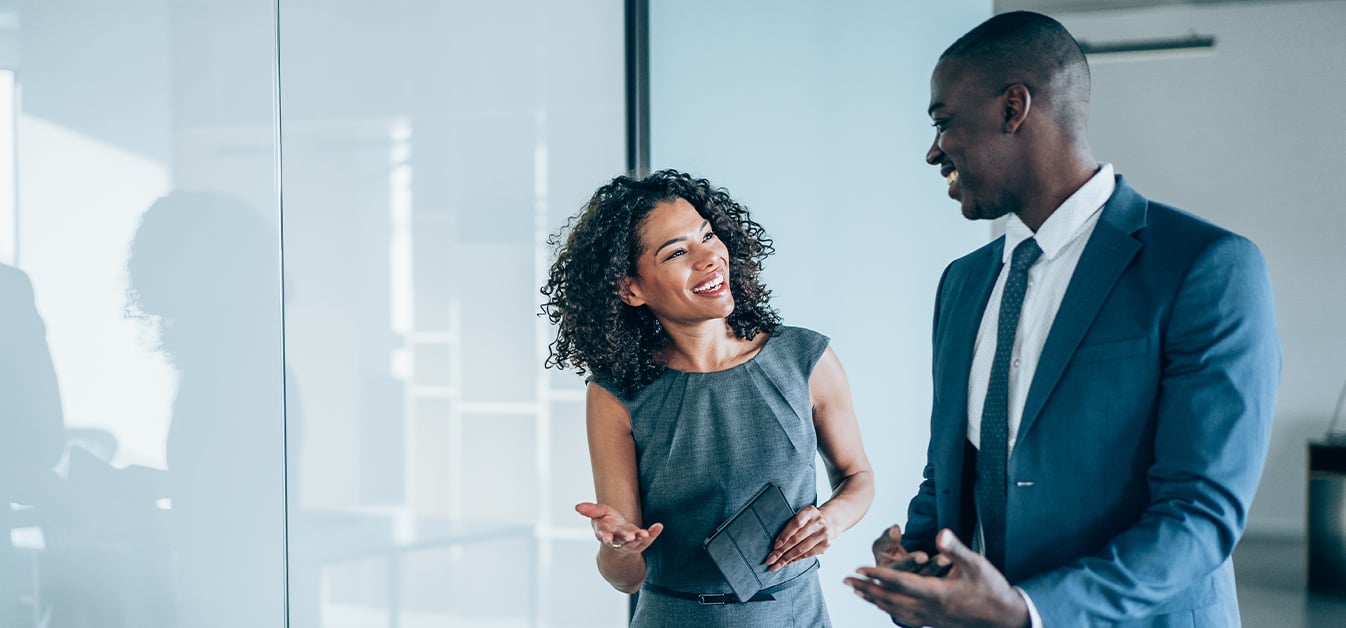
(947, 74)
(951, 70)
(955, 74)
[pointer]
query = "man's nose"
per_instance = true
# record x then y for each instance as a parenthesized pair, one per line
(934, 156)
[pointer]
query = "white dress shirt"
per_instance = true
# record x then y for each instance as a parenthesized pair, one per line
(1062, 238)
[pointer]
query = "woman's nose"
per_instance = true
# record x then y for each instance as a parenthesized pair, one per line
(705, 256)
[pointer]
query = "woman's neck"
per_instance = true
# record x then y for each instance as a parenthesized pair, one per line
(707, 347)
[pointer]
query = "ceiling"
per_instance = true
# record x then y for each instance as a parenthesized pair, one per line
(1056, 7)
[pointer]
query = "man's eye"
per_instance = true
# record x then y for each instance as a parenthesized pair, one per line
(940, 125)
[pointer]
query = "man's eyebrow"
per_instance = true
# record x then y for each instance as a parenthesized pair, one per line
(933, 107)
(677, 239)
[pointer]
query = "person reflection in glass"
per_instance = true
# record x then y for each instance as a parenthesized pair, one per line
(698, 397)
(203, 271)
(32, 430)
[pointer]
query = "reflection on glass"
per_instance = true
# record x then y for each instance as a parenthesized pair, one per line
(32, 435)
(129, 545)
(439, 463)
(148, 493)
(199, 273)
(432, 459)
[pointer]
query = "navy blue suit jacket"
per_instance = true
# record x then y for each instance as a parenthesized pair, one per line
(1144, 430)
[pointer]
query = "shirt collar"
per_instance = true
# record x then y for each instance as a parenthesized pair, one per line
(1068, 221)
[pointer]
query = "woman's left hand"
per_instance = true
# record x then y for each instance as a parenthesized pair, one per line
(808, 533)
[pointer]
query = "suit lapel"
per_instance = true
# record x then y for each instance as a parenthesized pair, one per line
(964, 312)
(1105, 257)
(960, 318)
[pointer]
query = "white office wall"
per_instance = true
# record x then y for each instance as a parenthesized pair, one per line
(815, 117)
(151, 241)
(428, 149)
(1249, 135)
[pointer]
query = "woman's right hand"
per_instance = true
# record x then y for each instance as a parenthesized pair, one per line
(615, 532)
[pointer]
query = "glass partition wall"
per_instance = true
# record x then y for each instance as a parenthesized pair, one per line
(141, 416)
(268, 283)
(428, 150)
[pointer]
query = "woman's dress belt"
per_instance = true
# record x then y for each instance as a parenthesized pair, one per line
(765, 595)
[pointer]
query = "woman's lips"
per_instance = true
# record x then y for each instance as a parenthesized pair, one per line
(713, 287)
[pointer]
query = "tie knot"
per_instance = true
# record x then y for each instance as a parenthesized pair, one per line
(1024, 255)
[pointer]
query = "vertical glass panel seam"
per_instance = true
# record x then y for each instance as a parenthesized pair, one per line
(278, 138)
(638, 87)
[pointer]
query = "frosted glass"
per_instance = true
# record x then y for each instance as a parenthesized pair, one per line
(428, 149)
(142, 426)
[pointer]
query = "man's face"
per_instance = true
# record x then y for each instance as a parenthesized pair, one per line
(971, 147)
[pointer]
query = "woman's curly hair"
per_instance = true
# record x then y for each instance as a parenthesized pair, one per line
(600, 334)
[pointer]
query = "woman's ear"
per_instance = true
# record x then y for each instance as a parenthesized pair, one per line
(1017, 101)
(630, 292)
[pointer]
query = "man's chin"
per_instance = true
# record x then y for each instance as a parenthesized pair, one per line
(975, 211)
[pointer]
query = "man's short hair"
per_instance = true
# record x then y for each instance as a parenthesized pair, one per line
(1029, 48)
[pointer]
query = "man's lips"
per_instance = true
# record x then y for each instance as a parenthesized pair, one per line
(951, 177)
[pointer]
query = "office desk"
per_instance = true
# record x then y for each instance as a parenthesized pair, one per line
(323, 539)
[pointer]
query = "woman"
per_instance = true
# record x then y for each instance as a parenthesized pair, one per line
(698, 398)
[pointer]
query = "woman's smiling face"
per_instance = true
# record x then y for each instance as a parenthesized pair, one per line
(682, 273)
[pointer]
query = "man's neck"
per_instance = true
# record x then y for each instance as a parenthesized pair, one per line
(1052, 189)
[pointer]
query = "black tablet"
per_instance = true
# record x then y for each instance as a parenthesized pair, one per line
(740, 545)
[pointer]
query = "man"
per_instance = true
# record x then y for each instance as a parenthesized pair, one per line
(1104, 373)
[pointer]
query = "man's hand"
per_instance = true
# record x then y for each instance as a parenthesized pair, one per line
(973, 593)
(888, 547)
(889, 552)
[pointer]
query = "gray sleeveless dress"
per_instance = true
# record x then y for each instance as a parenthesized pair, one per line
(705, 444)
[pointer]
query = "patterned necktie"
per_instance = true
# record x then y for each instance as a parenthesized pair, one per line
(994, 451)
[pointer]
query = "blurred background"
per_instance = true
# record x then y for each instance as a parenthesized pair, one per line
(269, 270)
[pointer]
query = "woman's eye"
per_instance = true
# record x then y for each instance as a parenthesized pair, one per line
(674, 254)
(710, 235)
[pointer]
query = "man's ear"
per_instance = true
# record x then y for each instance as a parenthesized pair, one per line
(629, 292)
(1016, 100)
